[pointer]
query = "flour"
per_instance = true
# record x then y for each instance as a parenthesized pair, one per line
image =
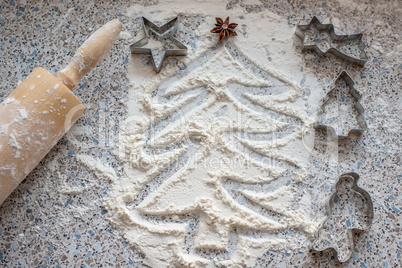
(107, 172)
(125, 35)
(195, 148)
(22, 114)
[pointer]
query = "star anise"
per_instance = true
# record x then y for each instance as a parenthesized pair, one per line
(224, 28)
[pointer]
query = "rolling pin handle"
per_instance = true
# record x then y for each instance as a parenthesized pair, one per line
(88, 55)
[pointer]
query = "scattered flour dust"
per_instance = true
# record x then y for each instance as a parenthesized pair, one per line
(202, 157)
(125, 35)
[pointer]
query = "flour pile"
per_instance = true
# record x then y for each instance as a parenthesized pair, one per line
(215, 146)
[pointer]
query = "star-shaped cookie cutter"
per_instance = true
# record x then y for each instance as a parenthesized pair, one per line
(165, 31)
(329, 28)
(359, 108)
(329, 208)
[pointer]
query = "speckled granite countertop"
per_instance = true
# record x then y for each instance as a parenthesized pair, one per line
(43, 226)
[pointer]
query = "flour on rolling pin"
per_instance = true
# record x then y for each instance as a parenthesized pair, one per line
(43, 108)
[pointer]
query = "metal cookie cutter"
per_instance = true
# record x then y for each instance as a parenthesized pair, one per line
(359, 108)
(349, 231)
(165, 31)
(329, 28)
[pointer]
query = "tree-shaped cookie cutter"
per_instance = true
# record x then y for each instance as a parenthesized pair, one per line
(330, 204)
(359, 108)
(165, 31)
(329, 28)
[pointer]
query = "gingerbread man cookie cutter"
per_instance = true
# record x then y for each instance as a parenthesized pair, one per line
(349, 231)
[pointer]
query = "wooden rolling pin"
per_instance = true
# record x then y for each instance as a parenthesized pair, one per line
(42, 109)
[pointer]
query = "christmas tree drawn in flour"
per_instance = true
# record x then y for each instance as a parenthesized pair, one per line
(198, 186)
